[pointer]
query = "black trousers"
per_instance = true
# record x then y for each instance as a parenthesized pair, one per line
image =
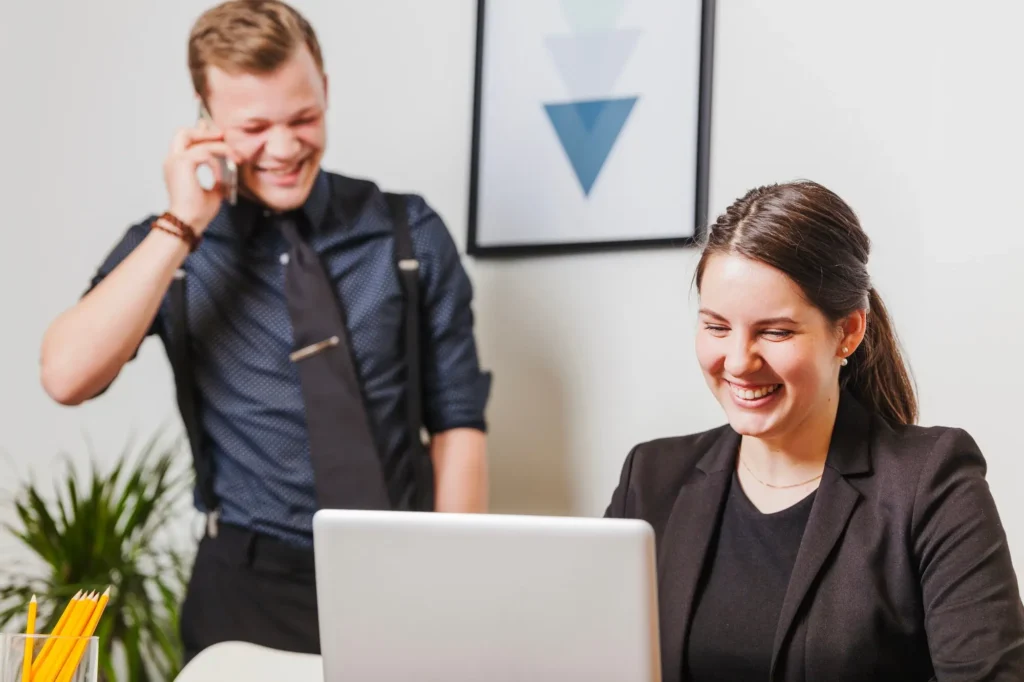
(251, 588)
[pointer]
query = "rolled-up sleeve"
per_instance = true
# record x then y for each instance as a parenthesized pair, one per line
(456, 389)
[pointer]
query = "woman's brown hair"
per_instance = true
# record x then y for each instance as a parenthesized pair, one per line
(810, 234)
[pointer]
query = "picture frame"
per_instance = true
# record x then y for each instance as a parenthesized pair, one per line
(591, 125)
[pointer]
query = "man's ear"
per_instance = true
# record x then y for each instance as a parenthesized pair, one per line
(201, 105)
(327, 97)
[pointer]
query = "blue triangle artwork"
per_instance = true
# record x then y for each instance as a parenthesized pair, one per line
(589, 61)
(588, 131)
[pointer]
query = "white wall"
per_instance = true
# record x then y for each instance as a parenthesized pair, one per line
(909, 110)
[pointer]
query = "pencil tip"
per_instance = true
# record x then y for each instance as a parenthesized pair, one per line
(106, 593)
(33, 599)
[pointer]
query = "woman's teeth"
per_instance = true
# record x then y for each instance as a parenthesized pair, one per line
(754, 394)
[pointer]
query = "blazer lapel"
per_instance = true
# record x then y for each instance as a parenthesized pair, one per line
(688, 532)
(848, 455)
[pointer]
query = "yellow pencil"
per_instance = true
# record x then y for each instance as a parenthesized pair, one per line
(30, 629)
(57, 630)
(76, 656)
(63, 647)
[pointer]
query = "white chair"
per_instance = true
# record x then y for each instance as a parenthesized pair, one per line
(251, 663)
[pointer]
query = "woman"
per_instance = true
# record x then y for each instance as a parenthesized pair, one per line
(819, 535)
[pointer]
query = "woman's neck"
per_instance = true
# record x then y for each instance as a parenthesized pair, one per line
(796, 454)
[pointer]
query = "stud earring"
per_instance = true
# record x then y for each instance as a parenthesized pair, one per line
(844, 362)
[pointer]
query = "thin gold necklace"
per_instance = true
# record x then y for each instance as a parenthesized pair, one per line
(771, 485)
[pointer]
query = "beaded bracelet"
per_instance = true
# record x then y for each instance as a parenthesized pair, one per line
(187, 234)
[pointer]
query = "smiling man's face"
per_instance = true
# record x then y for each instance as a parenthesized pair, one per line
(275, 123)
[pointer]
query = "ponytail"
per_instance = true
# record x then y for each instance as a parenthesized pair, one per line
(877, 374)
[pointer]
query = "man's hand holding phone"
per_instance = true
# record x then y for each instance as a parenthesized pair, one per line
(192, 148)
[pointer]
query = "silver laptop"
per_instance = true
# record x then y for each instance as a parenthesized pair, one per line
(495, 598)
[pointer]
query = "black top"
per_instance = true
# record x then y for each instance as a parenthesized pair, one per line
(738, 604)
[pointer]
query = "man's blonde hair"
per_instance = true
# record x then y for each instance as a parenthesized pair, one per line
(247, 36)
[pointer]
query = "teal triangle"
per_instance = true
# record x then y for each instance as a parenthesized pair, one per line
(588, 130)
(592, 15)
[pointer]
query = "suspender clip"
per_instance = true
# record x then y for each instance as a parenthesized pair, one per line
(211, 523)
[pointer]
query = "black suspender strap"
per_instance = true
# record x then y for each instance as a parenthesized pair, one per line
(184, 381)
(184, 376)
(408, 269)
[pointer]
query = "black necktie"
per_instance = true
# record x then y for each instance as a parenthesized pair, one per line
(346, 464)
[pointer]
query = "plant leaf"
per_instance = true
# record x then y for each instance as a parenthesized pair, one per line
(106, 527)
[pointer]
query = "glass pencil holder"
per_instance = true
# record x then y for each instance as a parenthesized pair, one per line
(53, 659)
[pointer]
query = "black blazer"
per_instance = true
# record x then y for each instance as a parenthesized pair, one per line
(903, 573)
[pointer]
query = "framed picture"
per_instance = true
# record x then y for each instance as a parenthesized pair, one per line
(591, 125)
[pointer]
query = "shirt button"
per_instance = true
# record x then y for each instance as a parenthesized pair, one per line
(284, 259)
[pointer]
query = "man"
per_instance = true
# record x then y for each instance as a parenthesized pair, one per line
(296, 321)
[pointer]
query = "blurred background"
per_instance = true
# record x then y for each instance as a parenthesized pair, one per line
(911, 111)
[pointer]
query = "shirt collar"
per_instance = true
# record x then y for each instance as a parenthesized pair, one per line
(244, 217)
(318, 201)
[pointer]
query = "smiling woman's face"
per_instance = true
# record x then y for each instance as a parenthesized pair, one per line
(770, 357)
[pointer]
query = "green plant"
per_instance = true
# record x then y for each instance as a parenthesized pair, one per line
(108, 528)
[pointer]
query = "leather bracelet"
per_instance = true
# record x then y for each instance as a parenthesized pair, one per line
(187, 234)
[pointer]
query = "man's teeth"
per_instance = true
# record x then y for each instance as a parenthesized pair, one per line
(283, 171)
(754, 394)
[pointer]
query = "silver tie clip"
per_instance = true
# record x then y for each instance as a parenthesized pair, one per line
(303, 353)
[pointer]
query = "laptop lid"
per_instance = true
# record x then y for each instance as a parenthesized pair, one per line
(472, 597)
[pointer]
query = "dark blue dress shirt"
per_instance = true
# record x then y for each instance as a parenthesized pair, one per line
(251, 406)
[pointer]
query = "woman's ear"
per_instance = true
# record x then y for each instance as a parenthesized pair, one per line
(853, 328)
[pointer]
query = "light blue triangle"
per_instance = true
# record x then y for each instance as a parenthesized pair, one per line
(591, 63)
(588, 130)
(592, 15)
